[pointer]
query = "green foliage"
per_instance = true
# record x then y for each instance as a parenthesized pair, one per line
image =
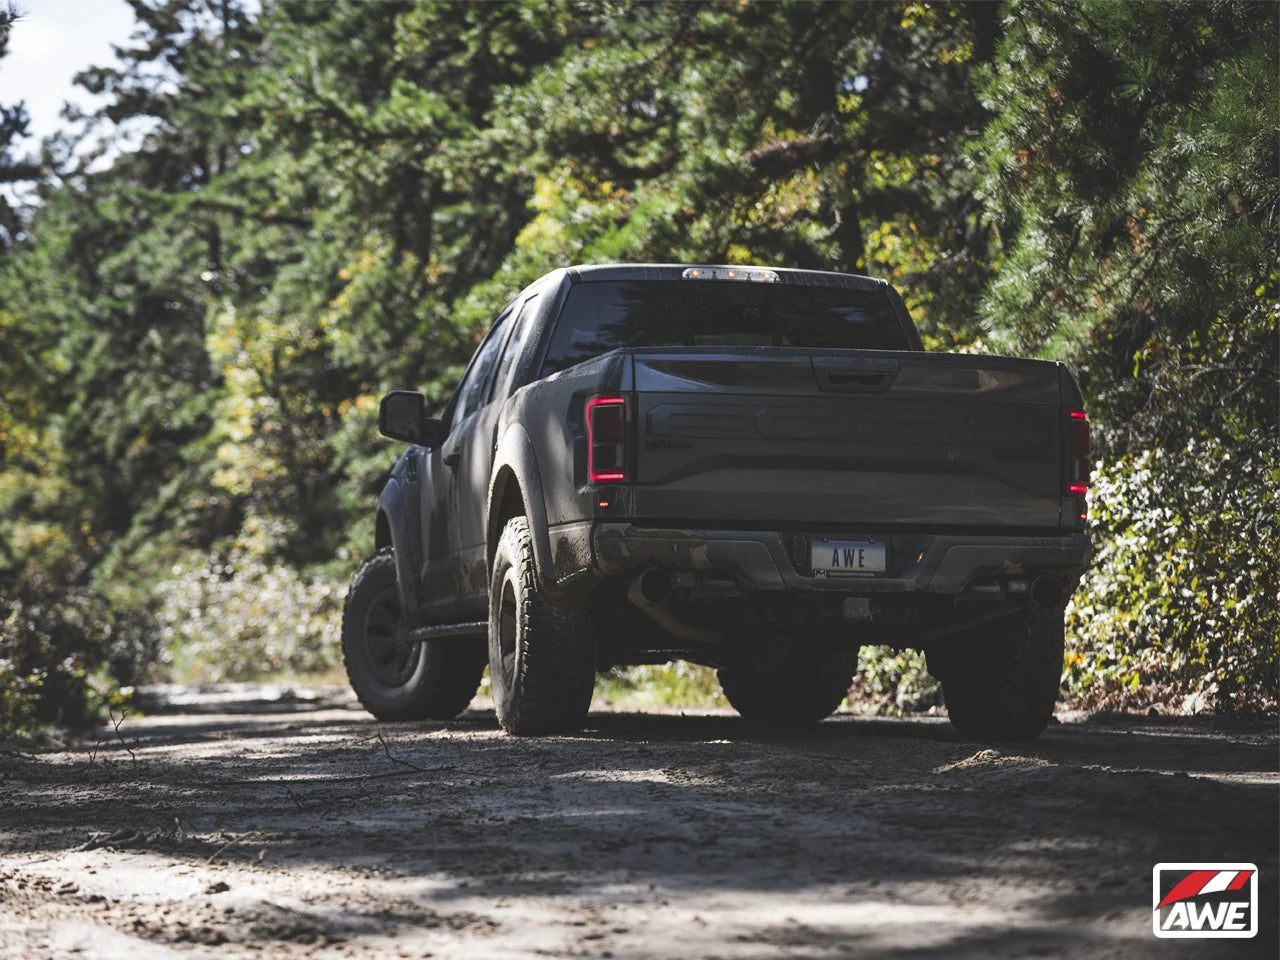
(13, 126)
(891, 681)
(238, 618)
(60, 657)
(675, 684)
(1132, 157)
(1182, 606)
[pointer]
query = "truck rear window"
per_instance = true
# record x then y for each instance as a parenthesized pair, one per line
(601, 316)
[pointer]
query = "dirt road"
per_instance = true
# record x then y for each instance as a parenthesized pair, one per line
(318, 833)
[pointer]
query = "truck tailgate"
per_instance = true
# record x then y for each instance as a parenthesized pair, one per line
(847, 438)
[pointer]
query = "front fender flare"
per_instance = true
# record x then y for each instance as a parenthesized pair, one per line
(395, 504)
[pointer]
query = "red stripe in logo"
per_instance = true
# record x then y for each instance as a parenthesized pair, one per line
(1241, 879)
(1188, 886)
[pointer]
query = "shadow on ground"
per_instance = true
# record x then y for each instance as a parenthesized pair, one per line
(856, 828)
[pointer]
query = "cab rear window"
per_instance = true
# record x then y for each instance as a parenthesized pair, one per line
(601, 316)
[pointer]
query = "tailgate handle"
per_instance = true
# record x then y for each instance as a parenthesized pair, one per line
(856, 376)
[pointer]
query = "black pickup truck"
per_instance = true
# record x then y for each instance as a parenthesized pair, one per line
(755, 469)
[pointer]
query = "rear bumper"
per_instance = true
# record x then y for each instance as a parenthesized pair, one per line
(777, 561)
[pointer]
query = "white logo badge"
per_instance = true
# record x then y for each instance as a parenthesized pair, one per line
(1202, 900)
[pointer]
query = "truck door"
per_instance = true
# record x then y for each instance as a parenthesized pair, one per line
(472, 459)
(446, 498)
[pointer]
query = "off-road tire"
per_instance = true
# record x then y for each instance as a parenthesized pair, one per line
(1000, 680)
(797, 697)
(394, 678)
(542, 656)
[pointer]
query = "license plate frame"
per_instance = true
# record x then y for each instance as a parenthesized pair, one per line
(841, 557)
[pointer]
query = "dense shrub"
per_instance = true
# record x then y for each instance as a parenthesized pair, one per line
(1182, 604)
(890, 681)
(62, 657)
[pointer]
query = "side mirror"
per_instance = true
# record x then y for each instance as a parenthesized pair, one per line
(402, 415)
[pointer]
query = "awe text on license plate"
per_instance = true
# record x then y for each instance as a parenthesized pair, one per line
(846, 558)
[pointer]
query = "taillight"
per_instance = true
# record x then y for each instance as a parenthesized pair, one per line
(607, 439)
(1078, 465)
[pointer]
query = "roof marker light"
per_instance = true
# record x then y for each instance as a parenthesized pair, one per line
(753, 274)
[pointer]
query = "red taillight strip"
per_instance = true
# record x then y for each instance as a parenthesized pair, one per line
(1078, 465)
(614, 475)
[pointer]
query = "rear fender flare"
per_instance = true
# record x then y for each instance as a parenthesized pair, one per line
(515, 462)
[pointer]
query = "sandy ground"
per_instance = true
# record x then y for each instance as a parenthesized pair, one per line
(305, 829)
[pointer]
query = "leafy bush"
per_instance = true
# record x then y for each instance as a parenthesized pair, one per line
(892, 681)
(61, 656)
(1182, 604)
(242, 618)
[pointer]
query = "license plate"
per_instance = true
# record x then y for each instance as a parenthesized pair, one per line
(845, 558)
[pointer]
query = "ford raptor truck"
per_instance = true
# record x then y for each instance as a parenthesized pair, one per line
(759, 470)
